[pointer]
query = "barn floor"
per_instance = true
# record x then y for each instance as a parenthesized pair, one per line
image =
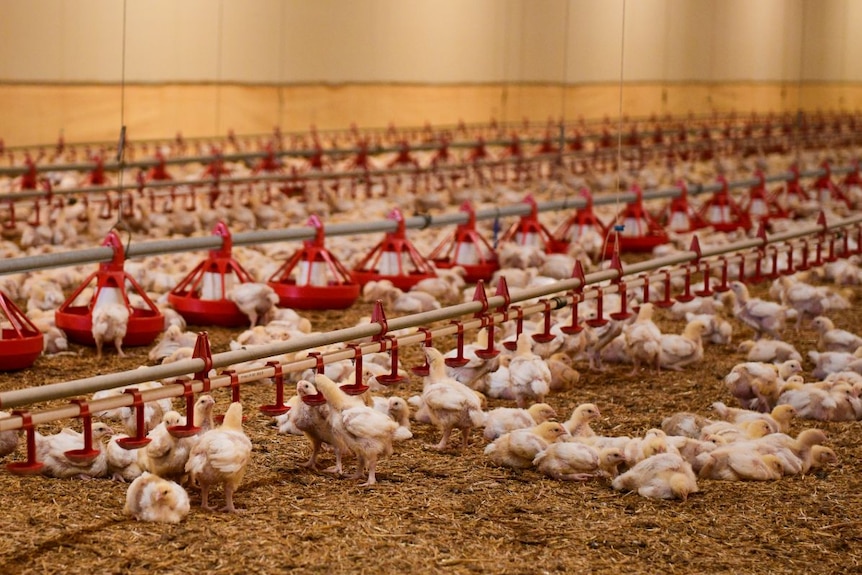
(450, 512)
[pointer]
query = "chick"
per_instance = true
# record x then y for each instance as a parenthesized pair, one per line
(363, 430)
(109, 324)
(768, 350)
(8, 439)
(643, 339)
(681, 350)
(166, 455)
(685, 424)
(832, 339)
(662, 476)
(779, 418)
(256, 300)
(572, 461)
(171, 340)
(764, 317)
(221, 457)
(313, 421)
(529, 375)
(151, 498)
(449, 403)
(564, 376)
(505, 419)
(517, 449)
(51, 450)
(122, 463)
(737, 463)
(578, 424)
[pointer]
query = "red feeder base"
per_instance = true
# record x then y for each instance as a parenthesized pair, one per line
(20, 351)
(196, 311)
(639, 232)
(528, 231)
(315, 297)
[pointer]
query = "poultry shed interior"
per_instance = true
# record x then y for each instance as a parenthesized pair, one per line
(505, 286)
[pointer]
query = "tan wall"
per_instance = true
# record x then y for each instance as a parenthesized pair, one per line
(32, 114)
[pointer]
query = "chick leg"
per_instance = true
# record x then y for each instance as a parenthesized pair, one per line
(372, 478)
(118, 343)
(465, 438)
(444, 441)
(205, 491)
(312, 461)
(228, 500)
(98, 348)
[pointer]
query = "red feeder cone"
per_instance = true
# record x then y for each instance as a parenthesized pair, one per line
(312, 278)
(467, 248)
(827, 192)
(200, 296)
(639, 232)
(679, 215)
(21, 342)
(760, 205)
(111, 281)
(528, 231)
(394, 259)
(582, 223)
(722, 212)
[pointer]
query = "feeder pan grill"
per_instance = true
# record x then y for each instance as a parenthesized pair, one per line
(76, 321)
(22, 343)
(580, 222)
(826, 191)
(200, 296)
(723, 213)
(320, 281)
(529, 231)
(640, 232)
(394, 259)
(467, 248)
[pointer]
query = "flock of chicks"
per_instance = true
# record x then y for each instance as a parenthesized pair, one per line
(749, 442)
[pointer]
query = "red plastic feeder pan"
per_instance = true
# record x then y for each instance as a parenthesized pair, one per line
(583, 221)
(636, 229)
(312, 278)
(529, 231)
(679, 215)
(21, 343)
(467, 248)
(723, 213)
(144, 325)
(200, 296)
(394, 259)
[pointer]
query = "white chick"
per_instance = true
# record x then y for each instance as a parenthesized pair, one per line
(122, 463)
(828, 362)
(768, 350)
(779, 418)
(476, 367)
(166, 455)
(449, 403)
(764, 317)
(662, 476)
(517, 449)
(399, 411)
(314, 422)
(809, 301)
(832, 339)
(739, 463)
(812, 402)
(756, 384)
(109, 324)
(255, 300)
(681, 350)
(170, 341)
(8, 439)
(572, 461)
(564, 376)
(151, 498)
(221, 457)
(718, 330)
(529, 375)
(505, 419)
(578, 424)
(51, 450)
(643, 339)
(366, 432)
(685, 424)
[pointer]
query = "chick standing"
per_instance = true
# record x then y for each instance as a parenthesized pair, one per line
(221, 457)
(643, 339)
(110, 322)
(151, 498)
(365, 431)
(448, 403)
(529, 375)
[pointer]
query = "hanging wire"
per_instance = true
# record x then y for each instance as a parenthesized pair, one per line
(121, 143)
(619, 227)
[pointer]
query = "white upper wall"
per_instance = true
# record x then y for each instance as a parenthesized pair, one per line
(429, 41)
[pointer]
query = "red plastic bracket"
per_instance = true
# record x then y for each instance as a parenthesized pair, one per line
(32, 466)
(459, 360)
(140, 439)
(546, 334)
(424, 369)
(189, 429)
(277, 408)
(599, 320)
(358, 386)
(86, 454)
